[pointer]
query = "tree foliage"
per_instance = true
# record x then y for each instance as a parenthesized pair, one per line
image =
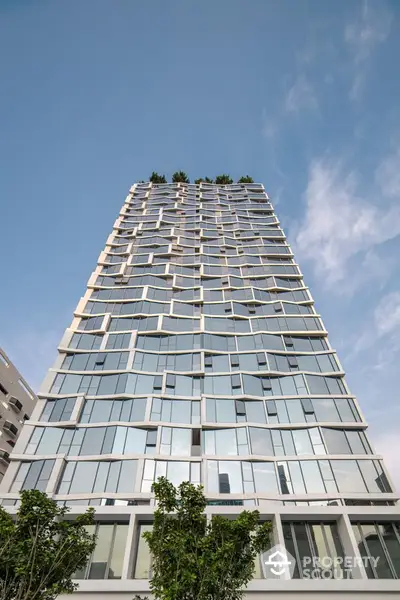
(196, 559)
(223, 179)
(246, 179)
(40, 550)
(180, 177)
(205, 180)
(156, 178)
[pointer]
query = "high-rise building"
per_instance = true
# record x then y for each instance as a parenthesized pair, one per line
(17, 402)
(197, 353)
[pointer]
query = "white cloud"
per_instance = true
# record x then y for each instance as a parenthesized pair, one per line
(388, 175)
(387, 314)
(384, 322)
(362, 37)
(301, 96)
(269, 125)
(357, 86)
(371, 29)
(374, 266)
(341, 222)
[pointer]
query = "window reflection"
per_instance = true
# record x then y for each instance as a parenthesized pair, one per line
(92, 476)
(142, 568)
(379, 545)
(174, 471)
(108, 556)
(317, 541)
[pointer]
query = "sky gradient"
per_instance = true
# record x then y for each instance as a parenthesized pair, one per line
(302, 96)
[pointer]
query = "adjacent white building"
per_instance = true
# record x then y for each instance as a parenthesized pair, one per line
(17, 402)
(197, 353)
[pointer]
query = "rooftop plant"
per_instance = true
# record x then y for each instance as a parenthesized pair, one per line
(180, 177)
(156, 178)
(223, 179)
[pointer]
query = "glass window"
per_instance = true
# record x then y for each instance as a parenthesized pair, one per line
(108, 385)
(100, 556)
(358, 442)
(225, 442)
(107, 558)
(317, 385)
(58, 410)
(230, 477)
(175, 411)
(176, 441)
(252, 385)
(126, 483)
(336, 441)
(66, 384)
(93, 440)
(255, 412)
(285, 445)
(302, 441)
(348, 476)
(218, 385)
(281, 413)
(178, 471)
(325, 409)
(50, 441)
(222, 411)
(32, 475)
(312, 477)
(143, 558)
(181, 411)
(84, 477)
(295, 411)
(379, 545)
(347, 409)
(175, 471)
(374, 477)
(265, 478)
(261, 441)
(96, 411)
(85, 341)
(92, 476)
(315, 541)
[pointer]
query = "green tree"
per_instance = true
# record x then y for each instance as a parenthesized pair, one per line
(40, 550)
(205, 180)
(180, 177)
(196, 559)
(223, 179)
(246, 179)
(156, 178)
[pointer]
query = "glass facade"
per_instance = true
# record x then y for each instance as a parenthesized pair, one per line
(379, 545)
(198, 342)
(107, 558)
(314, 545)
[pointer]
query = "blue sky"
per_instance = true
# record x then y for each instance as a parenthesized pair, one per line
(303, 96)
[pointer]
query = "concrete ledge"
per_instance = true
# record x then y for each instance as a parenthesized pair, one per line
(358, 589)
